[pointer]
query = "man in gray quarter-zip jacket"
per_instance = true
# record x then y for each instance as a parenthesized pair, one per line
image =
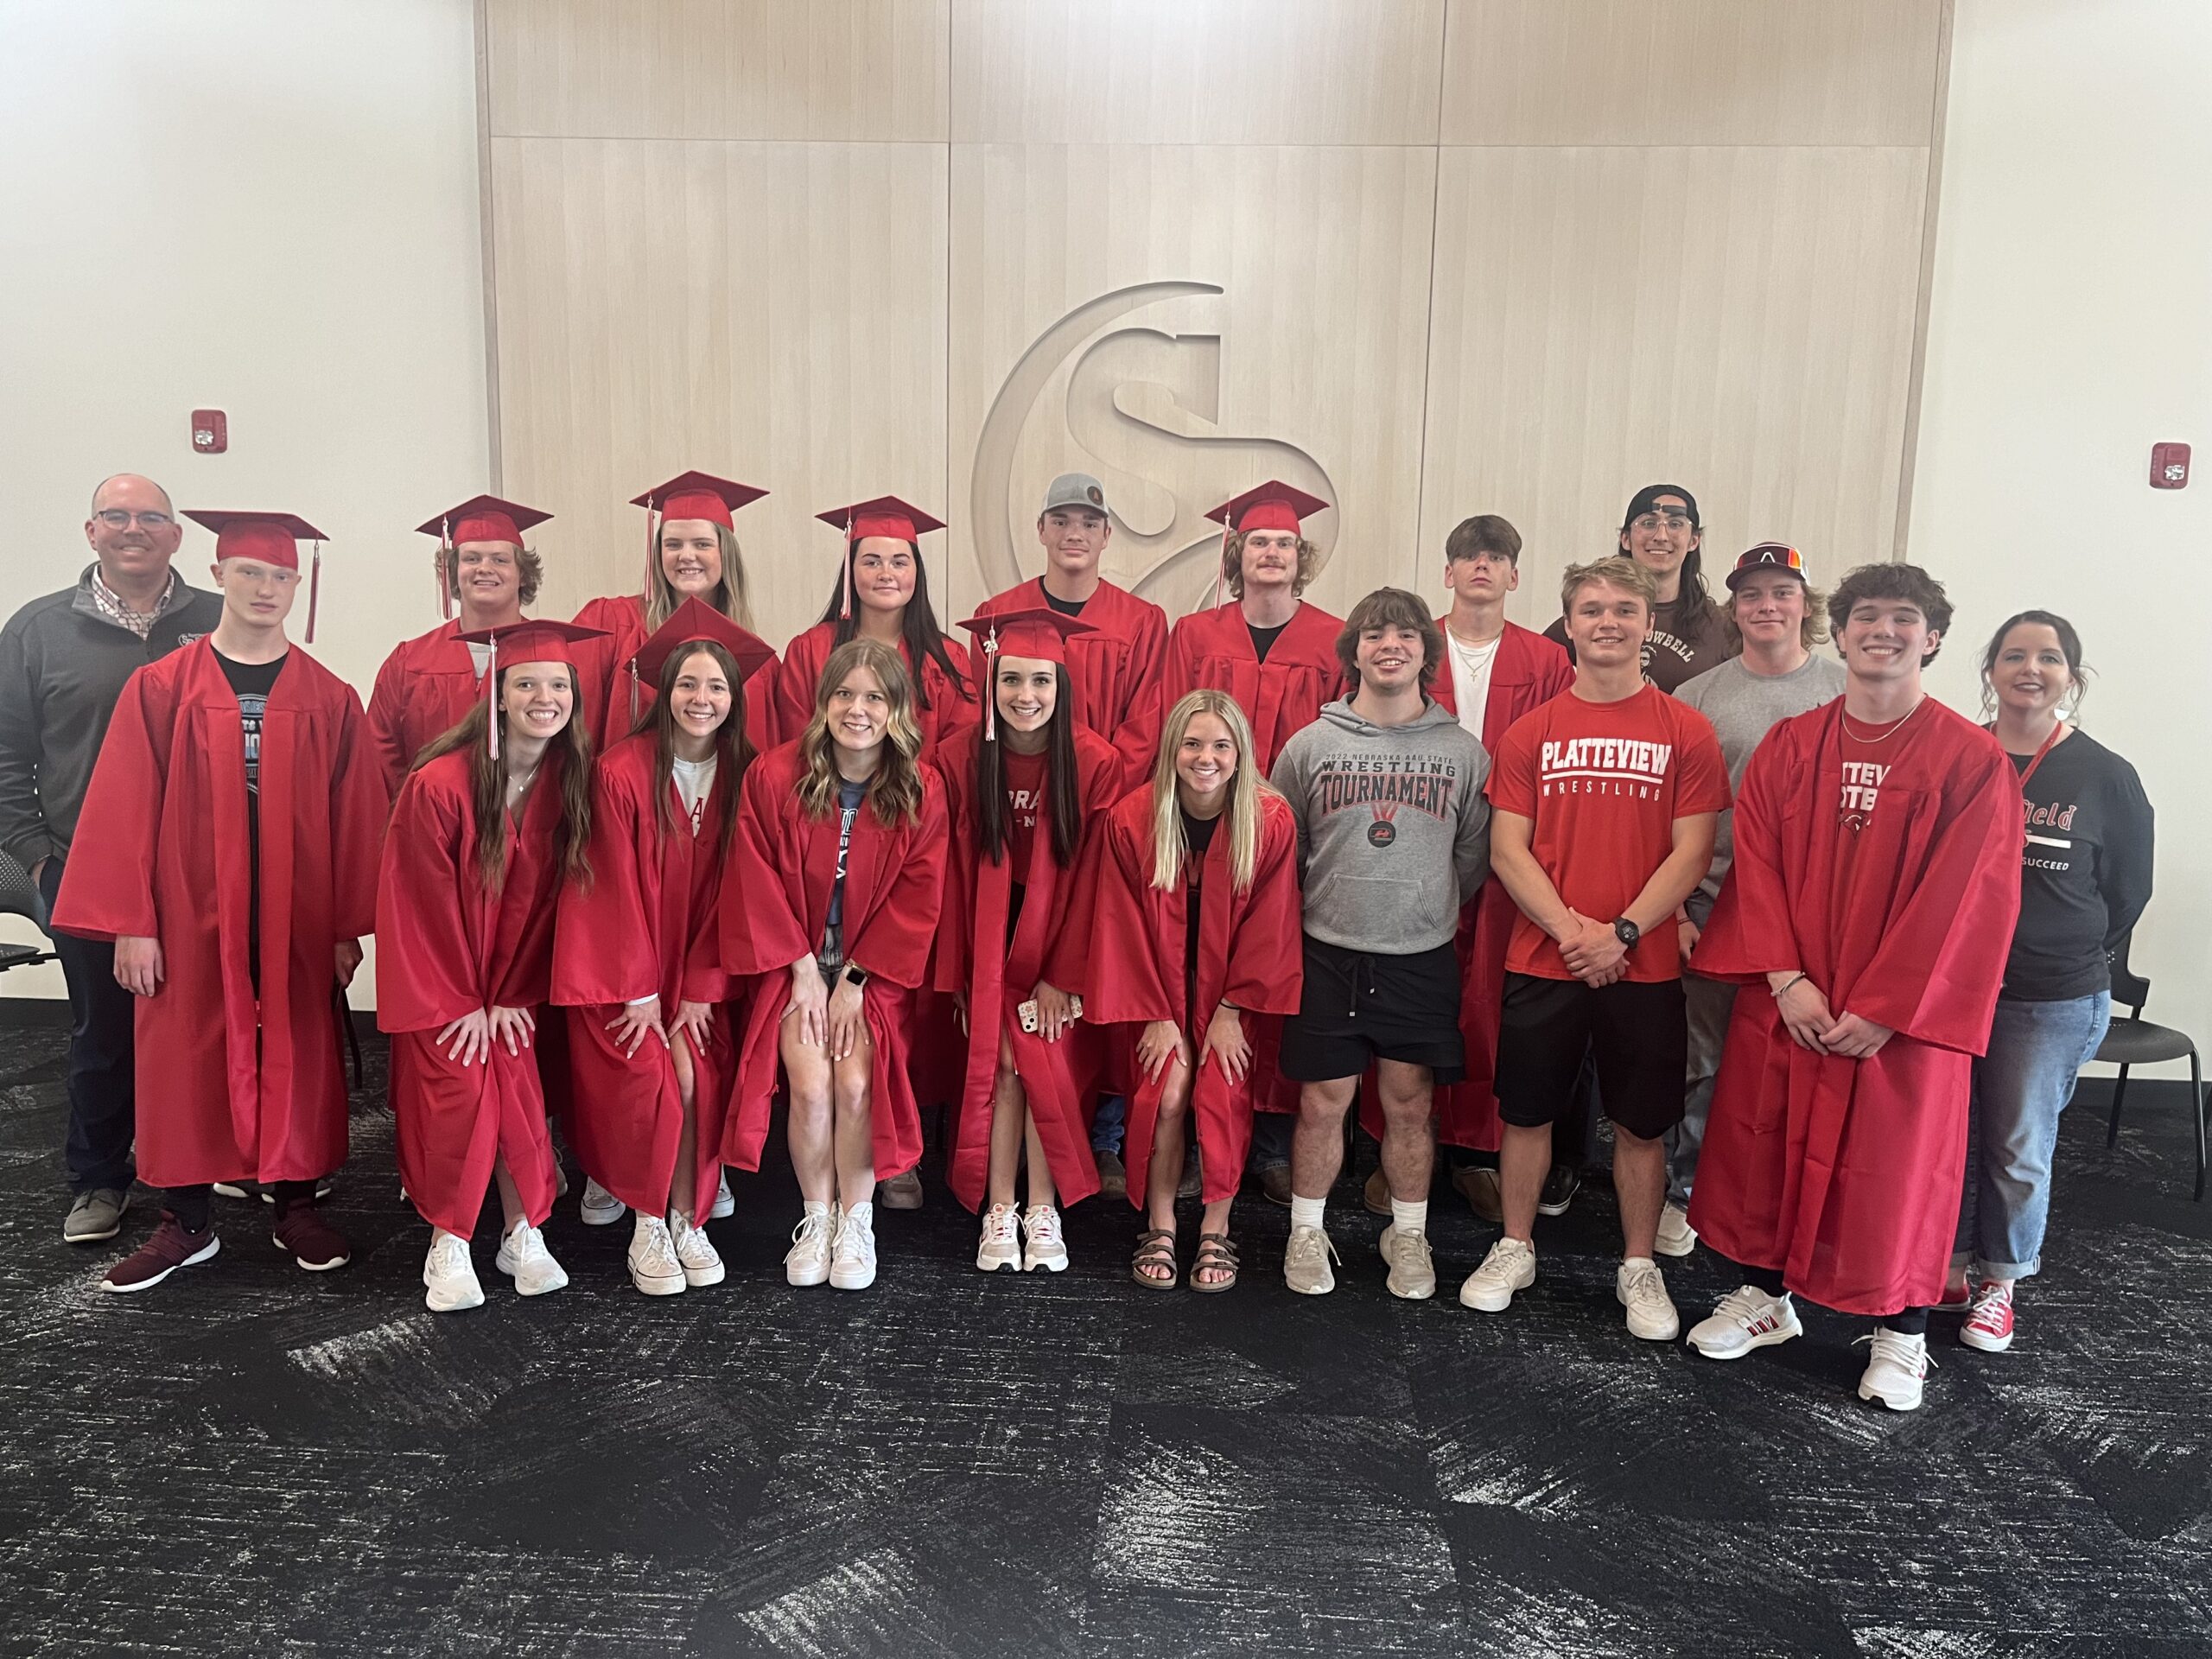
(1392, 837)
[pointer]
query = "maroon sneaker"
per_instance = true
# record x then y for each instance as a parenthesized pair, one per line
(302, 1233)
(170, 1248)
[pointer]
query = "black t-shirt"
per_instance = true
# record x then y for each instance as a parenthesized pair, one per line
(1199, 834)
(1685, 641)
(1263, 639)
(252, 682)
(1065, 607)
(2085, 872)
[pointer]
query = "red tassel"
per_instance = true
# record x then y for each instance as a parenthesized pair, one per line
(1221, 565)
(633, 691)
(847, 613)
(491, 695)
(314, 590)
(653, 550)
(991, 685)
(449, 569)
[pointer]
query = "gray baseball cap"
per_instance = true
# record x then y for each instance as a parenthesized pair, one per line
(1074, 490)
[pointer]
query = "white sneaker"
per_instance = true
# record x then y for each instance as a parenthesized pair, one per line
(1747, 1318)
(1305, 1262)
(1040, 1226)
(653, 1267)
(695, 1251)
(1896, 1369)
(449, 1277)
(1676, 1235)
(524, 1259)
(1641, 1289)
(725, 1204)
(1412, 1262)
(807, 1261)
(230, 1189)
(599, 1207)
(852, 1253)
(1000, 1247)
(1509, 1267)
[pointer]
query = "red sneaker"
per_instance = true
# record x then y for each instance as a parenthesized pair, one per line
(170, 1248)
(1989, 1327)
(302, 1233)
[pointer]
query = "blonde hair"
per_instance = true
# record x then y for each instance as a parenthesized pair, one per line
(1813, 631)
(728, 596)
(1246, 789)
(1232, 565)
(1619, 571)
(895, 789)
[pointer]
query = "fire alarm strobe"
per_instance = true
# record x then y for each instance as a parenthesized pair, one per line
(2169, 466)
(211, 432)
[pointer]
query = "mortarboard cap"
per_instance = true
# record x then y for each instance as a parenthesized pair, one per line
(884, 516)
(1274, 505)
(697, 495)
(270, 538)
(693, 621)
(483, 518)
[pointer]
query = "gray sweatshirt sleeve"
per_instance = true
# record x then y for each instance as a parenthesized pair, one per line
(1470, 847)
(1289, 780)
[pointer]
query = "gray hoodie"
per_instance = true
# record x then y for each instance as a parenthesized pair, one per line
(1393, 829)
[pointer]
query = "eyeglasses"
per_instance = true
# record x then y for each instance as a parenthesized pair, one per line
(1653, 520)
(117, 518)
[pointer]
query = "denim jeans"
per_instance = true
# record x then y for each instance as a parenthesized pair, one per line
(103, 1081)
(2020, 1086)
(1109, 1124)
(1708, 1004)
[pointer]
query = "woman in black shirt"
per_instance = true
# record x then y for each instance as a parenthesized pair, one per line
(2085, 877)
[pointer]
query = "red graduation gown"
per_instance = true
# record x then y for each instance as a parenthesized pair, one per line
(447, 947)
(775, 903)
(1213, 650)
(952, 705)
(1843, 1173)
(1130, 970)
(618, 699)
(425, 688)
(232, 1086)
(1116, 673)
(975, 955)
(1528, 672)
(648, 924)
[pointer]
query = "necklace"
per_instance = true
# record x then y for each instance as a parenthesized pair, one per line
(1888, 732)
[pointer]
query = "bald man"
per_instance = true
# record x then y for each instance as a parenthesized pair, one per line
(63, 660)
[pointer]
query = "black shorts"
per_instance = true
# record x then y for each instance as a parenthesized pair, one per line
(1357, 1008)
(1636, 1034)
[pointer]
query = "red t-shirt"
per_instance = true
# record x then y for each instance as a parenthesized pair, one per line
(1025, 798)
(1603, 782)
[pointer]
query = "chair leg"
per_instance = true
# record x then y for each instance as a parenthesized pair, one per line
(2197, 1101)
(2119, 1094)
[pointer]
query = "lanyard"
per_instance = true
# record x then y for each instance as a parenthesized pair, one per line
(2039, 754)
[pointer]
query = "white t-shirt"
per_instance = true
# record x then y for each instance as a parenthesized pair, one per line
(695, 782)
(479, 653)
(1470, 667)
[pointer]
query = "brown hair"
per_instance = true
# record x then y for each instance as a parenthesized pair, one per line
(570, 751)
(526, 560)
(1619, 571)
(1390, 607)
(2069, 646)
(1232, 565)
(918, 628)
(732, 750)
(1483, 533)
(894, 788)
(1907, 582)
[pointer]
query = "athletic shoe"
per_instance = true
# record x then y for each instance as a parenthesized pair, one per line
(702, 1265)
(1376, 1195)
(599, 1207)
(1275, 1184)
(1000, 1248)
(1044, 1247)
(1477, 1184)
(1113, 1179)
(302, 1233)
(1305, 1262)
(324, 1186)
(1412, 1264)
(807, 1261)
(725, 1201)
(96, 1216)
(900, 1193)
(230, 1189)
(1641, 1289)
(1895, 1369)
(1989, 1327)
(1509, 1267)
(852, 1253)
(1957, 1297)
(170, 1248)
(654, 1268)
(524, 1259)
(1747, 1318)
(1676, 1235)
(449, 1283)
(1560, 1188)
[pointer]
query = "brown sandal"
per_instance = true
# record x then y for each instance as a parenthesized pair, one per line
(1155, 1250)
(1217, 1252)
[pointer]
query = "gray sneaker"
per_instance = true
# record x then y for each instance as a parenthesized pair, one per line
(95, 1216)
(1412, 1264)
(1305, 1262)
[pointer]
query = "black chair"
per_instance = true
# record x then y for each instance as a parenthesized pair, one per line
(2134, 1042)
(19, 898)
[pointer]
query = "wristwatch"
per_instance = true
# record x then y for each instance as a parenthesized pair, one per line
(855, 976)
(1627, 932)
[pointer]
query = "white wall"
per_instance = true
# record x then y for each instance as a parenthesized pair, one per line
(2071, 328)
(257, 205)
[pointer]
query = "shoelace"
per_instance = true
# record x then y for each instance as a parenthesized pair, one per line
(1302, 1246)
(1992, 1307)
(452, 1255)
(999, 1224)
(1645, 1282)
(812, 1226)
(1043, 1226)
(855, 1239)
(1746, 1302)
(660, 1248)
(1896, 1348)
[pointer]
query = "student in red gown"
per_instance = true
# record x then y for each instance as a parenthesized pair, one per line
(691, 552)
(1191, 894)
(636, 965)
(430, 681)
(228, 848)
(882, 594)
(831, 899)
(494, 816)
(1865, 917)
(1020, 789)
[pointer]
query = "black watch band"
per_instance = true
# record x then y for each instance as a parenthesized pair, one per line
(1627, 932)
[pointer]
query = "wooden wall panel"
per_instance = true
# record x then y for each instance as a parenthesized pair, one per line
(773, 313)
(1737, 321)
(837, 70)
(1196, 72)
(1183, 322)
(1691, 72)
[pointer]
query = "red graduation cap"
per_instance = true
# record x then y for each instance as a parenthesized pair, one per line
(530, 641)
(480, 518)
(697, 495)
(694, 621)
(886, 515)
(1272, 506)
(270, 537)
(1037, 631)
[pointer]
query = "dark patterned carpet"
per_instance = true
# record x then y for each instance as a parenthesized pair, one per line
(253, 1460)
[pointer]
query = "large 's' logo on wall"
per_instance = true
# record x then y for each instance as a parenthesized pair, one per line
(1136, 403)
